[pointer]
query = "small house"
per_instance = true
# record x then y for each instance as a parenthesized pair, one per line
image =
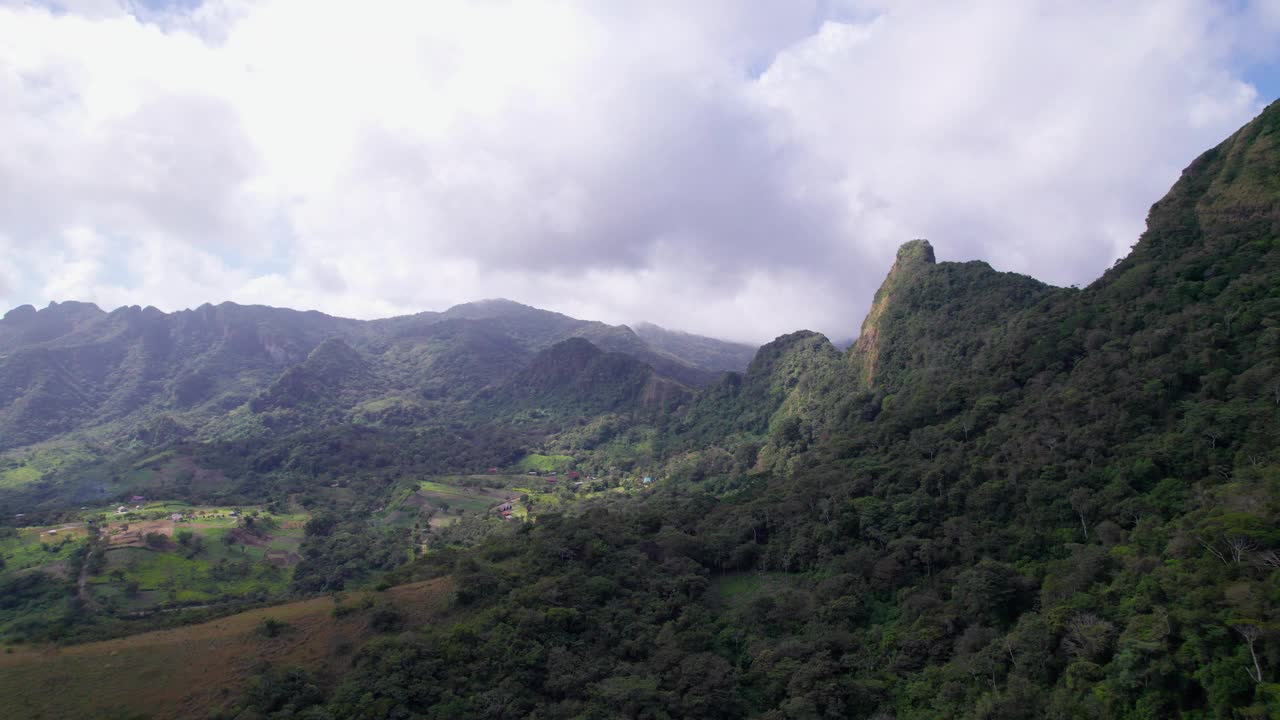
(138, 498)
(176, 517)
(493, 471)
(533, 472)
(505, 507)
(551, 481)
(122, 510)
(647, 480)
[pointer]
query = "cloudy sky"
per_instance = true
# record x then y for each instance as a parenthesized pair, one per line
(739, 169)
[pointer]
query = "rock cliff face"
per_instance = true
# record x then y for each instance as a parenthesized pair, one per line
(912, 257)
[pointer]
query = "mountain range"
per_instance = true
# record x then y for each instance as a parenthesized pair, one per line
(73, 367)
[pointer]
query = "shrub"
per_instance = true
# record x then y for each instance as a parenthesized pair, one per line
(385, 619)
(271, 627)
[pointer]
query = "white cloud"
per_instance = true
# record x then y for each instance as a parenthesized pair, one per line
(738, 170)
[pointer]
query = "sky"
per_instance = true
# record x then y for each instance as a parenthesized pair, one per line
(736, 169)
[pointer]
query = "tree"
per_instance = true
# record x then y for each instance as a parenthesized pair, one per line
(1082, 502)
(1250, 632)
(1089, 638)
(990, 592)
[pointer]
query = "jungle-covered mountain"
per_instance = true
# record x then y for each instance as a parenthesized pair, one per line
(72, 367)
(1006, 500)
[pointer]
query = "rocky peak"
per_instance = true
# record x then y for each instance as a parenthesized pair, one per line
(913, 257)
(912, 253)
(930, 314)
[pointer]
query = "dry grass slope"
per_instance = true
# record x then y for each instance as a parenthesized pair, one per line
(191, 671)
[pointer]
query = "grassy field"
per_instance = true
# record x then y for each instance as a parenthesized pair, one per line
(222, 559)
(545, 463)
(543, 492)
(194, 670)
(30, 465)
(29, 548)
(157, 509)
(473, 500)
(160, 577)
(426, 507)
(373, 407)
(255, 562)
(19, 476)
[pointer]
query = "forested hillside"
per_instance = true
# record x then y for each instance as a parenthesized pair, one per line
(1006, 500)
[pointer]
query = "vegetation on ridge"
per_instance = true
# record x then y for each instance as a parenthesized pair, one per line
(1056, 504)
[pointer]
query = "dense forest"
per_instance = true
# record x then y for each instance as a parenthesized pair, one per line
(1005, 500)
